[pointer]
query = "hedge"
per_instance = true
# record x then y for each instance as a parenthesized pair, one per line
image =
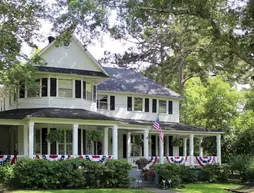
(72, 173)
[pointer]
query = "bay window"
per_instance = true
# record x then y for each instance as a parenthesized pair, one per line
(65, 88)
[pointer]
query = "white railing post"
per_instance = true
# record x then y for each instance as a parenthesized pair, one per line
(185, 146)
(31, 140)
(115, 141)
(146, 151)
(200, 146)
(105, 141)
(161, 150)
(75, 140)
(218, 140)
(191, 149)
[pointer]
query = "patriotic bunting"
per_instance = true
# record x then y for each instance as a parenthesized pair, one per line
(204, 160)
(53, 157)
(10, 159)
(177, 159)
(96, 158)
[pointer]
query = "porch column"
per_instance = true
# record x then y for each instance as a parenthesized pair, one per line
(185, 146)
(146, 132)
(128, 145)
(161, 150)
(31, 139)
(25, 142)
(191, 149)
(218, 140)
(200, 146)
(167, 145)
(75, 140)
(115, 141)
(105, 141)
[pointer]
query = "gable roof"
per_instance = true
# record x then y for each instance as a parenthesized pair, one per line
(88, 54)
(127, 80)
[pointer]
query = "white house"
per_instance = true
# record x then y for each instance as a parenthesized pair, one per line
(77, 95)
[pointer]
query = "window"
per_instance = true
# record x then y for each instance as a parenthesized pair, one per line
(146, 105)
(129, 103)
(22, 89)
(170, 107)
(52, 86)
(84, 89)
(162, 106)
(138, 104)
(35, 90)
(102, 102)
(89, 90)
(65, 88)
(154, 106)
(94, 93)
(44, 87)
(112, 103)
(65, 145)
(78, 89)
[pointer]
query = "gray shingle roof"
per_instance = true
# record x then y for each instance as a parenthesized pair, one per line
(127, 80)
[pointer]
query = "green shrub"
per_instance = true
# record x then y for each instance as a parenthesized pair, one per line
(208, 173)
(188, 174)
(6, 173)
(169, 172)
(72, 173)
(118, 175)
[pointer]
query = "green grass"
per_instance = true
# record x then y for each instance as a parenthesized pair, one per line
(85, 191)
(207, 188)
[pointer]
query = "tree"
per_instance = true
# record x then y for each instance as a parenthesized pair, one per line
(215, 106)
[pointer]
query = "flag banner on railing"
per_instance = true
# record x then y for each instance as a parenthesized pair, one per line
(177, 159)
(53, 157)
(151, 161)
(97, 158)
(7, 159)
(205, 160)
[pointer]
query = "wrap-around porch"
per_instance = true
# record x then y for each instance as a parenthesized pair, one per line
(121, 140)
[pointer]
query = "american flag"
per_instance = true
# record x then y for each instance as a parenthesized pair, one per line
(156, 126)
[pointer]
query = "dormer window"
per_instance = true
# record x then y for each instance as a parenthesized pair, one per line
(162, 106)
(138, 104)
(102, 102)
(65, 88)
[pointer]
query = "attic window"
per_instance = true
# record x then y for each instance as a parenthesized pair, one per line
(138, 104)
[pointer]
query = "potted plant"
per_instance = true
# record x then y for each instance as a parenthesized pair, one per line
(142, 162)
(149, 175)
(55, 135)
(177, 142)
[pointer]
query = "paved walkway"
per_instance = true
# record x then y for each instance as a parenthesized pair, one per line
(156, 190)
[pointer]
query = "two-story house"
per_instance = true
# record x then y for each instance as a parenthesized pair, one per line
(77, 95)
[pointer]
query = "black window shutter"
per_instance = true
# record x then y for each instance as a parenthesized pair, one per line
(52, 86)
(146, 105)
(94, 93)
(22, 89)
(129, 103)
(154, 106)
(44, 87)
(84, 89)
(78, 89)
(170, 107)
(112, 103)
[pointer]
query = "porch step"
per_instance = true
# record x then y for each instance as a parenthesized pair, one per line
(135, 184)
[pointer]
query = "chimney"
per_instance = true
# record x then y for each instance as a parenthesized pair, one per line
(51, 39)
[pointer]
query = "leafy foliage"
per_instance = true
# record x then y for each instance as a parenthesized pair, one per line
(72, 173)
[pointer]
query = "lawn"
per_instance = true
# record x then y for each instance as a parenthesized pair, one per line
(85, 191)
(207, 188)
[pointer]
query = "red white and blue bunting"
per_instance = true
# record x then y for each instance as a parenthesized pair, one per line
(97, 158)
(53, 157)
(7, 159)
(151, 161)
(204, 160)
(177, 159)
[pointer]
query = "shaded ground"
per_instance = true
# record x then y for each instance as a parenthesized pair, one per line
(244, 189)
